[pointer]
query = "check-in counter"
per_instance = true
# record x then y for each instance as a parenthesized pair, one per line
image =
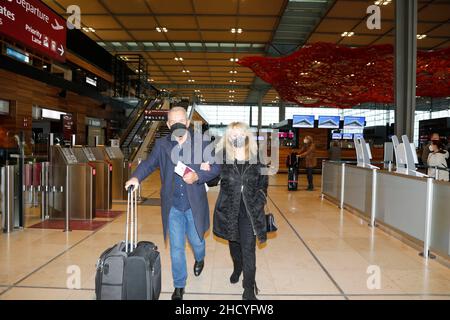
(401, 203)
(71, 186)
(440, 223)
(416, 208)
(331, 179)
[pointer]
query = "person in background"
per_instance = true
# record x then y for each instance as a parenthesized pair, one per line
(308, 152)
(239, 213)
(438, 158)
(184, 203)
(335, 151)
(426, 147)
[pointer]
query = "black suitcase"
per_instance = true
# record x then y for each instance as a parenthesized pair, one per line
(292, 179)
(129, 270)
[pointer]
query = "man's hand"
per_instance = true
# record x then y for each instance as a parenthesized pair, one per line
(190, 178)
(205, 166)
(132, 182)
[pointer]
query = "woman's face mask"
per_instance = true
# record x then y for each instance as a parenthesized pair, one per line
(238, 142)
(305, 141)
(431, 148)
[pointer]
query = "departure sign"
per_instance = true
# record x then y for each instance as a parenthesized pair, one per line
(35, 25)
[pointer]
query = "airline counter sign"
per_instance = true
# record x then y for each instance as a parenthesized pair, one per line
(35, 25)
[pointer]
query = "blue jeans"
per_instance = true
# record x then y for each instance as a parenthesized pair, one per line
(181, 224)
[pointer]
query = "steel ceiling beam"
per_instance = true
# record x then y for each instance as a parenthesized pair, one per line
(297, 23)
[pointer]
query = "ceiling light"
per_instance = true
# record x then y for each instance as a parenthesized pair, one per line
(185, 71)
(178, 59)
(232, 81)
(348, 34)
(421, 36)
(231, 91)
(191, 80)
(233, 71)
(382, 2)
(88, 29)
(163, 29)
(230, 96)
(234, 59)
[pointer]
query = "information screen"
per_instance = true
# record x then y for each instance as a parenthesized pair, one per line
(329, 122)
(354, 122)
(299, 121)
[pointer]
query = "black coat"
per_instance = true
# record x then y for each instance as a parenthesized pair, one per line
(253, 187)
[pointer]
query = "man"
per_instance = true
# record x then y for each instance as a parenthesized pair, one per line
(426, 148)
(184, 204)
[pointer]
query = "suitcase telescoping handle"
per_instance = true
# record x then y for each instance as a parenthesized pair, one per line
(131, 224)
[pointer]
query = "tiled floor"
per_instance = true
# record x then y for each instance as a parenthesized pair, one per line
(319, 252)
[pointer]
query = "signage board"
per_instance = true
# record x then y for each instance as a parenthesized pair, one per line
(156, 115)
(68, 126)
(35, 25)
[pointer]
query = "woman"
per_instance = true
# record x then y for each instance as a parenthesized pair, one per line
(307, 152)
(438, 158)
(239, 213)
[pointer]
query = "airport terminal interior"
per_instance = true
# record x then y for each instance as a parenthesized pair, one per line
(349, 101)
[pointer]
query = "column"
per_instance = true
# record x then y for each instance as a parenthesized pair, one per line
(405, 66)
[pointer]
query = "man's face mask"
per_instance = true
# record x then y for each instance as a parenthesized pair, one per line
(178, 129)
(238, 142)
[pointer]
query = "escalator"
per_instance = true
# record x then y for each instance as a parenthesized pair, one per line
(138, 127)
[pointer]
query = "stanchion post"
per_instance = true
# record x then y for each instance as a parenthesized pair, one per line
(67, 220)
(342, 186)
(428, 218)
(321, 183)
(374, 198)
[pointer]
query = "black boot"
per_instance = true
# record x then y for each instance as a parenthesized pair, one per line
(250, 293)
(235, 275)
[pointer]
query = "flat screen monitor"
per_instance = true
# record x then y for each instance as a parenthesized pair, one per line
(354, 122)
(329, 122)
(336, 136)
(303, 121)
(347, 136)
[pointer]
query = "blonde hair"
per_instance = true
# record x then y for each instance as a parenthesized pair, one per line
(251, 147)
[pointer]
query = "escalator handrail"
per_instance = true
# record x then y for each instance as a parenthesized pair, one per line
(131, 123)
(148, 104)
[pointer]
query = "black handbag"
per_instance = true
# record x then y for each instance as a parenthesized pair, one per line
(270, 223)
(270, 218)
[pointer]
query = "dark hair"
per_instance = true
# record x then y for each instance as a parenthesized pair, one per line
(440, 145)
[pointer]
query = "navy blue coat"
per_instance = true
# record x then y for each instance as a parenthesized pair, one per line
(160, 157)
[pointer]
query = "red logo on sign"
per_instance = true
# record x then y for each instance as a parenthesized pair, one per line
(35, 25)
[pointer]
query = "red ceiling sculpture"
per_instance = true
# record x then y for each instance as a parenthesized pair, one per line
(325, 74)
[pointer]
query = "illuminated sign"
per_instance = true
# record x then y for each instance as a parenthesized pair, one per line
(17, 55)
